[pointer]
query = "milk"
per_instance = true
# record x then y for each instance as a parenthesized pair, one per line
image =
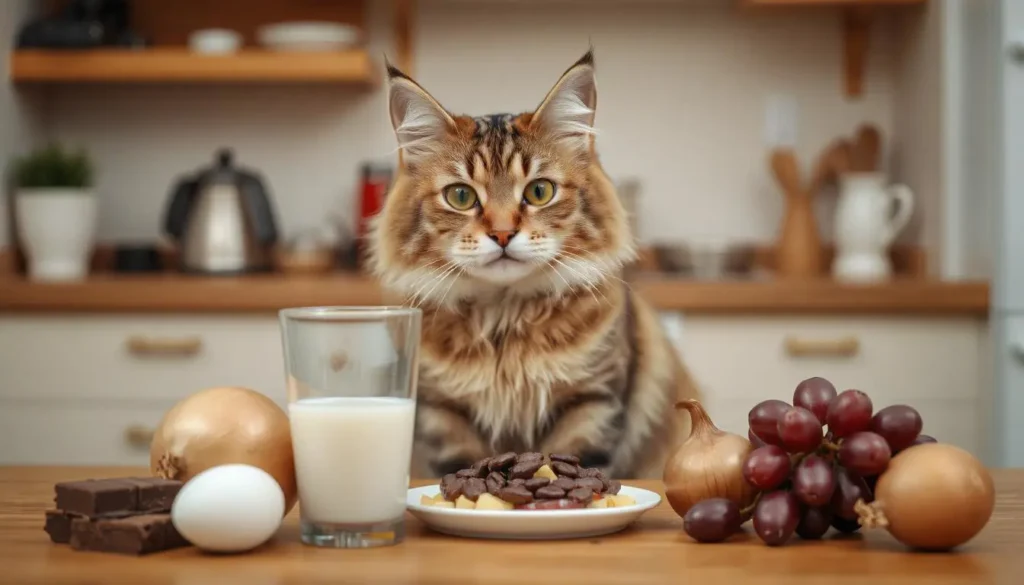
(352, 457)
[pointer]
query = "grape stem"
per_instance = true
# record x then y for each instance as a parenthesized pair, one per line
(749, 509)
(870, 515)
(830, 446)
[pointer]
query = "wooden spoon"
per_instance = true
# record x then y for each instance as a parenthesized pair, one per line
(785, 168)
(866, 148)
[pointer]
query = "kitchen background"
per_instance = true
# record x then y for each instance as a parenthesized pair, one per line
(694, 96)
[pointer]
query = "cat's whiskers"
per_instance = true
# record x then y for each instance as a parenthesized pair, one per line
(585, 282)
(438, 281)
(598, 262)
(415, 297)
(440, 304)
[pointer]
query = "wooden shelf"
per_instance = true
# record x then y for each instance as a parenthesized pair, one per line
(848, 3)
(176, 293)
(178, 65)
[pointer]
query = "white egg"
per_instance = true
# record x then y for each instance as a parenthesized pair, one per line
(229, 508)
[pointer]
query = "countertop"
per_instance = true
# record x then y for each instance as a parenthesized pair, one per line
(654, 550)
(112, 293)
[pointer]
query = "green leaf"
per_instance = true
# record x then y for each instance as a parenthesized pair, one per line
(53, 166)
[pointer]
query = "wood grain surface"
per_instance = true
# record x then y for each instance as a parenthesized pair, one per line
(164, 293)
(654, 550)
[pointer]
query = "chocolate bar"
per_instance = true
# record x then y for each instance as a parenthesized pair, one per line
(58, 526)
(116, 497)
(134, 535)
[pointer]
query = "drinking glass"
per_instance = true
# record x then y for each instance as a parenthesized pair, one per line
(351, 376)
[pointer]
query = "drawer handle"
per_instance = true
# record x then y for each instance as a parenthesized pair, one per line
(842, 347)
(144, 346)
(139, 436)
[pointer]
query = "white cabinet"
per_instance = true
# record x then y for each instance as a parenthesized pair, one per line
(86, 389)
(932, 364)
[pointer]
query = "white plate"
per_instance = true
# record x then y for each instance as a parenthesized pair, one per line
(308, 36)
(530, 525)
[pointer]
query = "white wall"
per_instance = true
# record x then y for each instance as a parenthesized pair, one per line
(18, 120)
(682, 89)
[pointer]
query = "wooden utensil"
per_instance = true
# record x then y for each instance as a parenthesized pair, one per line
(867, 145)
(799, 246)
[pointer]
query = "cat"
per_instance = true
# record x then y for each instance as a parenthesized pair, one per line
(505, 230)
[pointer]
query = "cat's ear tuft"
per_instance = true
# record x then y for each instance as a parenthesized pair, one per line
(567, 112)
(420, 122)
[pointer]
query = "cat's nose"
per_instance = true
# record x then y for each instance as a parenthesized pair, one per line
(503, 237)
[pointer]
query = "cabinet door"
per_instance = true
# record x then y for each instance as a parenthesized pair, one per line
(931, 364)
(1010, 269)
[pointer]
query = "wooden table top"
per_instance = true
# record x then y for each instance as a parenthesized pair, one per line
(654, 550)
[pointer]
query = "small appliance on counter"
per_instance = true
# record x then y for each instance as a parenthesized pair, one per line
(222, 220)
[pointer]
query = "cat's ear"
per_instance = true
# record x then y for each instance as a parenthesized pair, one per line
(420, 122)
(567, 112)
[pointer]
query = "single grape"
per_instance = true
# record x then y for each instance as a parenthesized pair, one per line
(800, 430)
(849, 413)
(865, 453)
(763, 419)
(814, 523)
(776, 517)
(766, 467)
(922, 439)
(815, 394)
(899, 425)
(845, 526)
(813, 481)
(712, 520)
(754, 439)
(849, 489)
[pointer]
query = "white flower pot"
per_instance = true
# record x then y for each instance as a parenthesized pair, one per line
(57, 228)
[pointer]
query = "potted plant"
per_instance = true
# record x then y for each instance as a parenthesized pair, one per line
(55, 212)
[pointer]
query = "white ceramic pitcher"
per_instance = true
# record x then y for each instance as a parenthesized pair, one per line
(866, 225)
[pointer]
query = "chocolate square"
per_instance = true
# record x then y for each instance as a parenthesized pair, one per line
(134, 535)
(58, 526)
(155, 494)
(95, 497)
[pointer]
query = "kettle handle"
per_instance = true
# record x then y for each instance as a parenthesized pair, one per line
(176, 216)
(259, 209)
(904, 199)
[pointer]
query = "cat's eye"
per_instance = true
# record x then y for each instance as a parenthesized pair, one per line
(460, 196)
(539, 192)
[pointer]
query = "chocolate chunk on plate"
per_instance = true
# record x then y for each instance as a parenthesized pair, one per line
(581, 494)
(495, 481)
(529, 456)
(516, 495)
(564, 483)
(549, 492)
(592, 483)
(525, 469)
(474, 488)
(135, 535)
(452, 486)
(501, 462)
(535, 483)
(570, 459)
(565, 469)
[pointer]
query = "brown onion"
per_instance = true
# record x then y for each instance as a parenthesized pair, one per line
(709, 464)
(931, 497)
(225, 425)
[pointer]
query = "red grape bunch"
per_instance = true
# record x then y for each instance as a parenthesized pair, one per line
(812, 460)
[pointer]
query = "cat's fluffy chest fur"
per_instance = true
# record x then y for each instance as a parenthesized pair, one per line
(512, 361)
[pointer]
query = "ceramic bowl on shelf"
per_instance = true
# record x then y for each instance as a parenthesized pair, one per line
(308, 36)
(214, 41)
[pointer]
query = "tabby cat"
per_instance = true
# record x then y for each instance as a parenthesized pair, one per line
(507, 232)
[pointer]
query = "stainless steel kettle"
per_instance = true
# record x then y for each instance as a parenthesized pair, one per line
(223, 220)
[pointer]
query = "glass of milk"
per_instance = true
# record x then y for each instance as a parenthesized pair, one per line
(351, 375)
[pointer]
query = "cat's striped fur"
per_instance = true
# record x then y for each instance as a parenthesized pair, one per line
(531, 341)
